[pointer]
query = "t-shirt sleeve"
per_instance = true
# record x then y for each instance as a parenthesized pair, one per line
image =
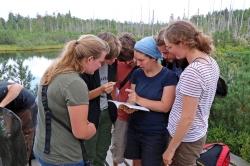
(170, 78)
(191, 83)
(3, 89)
(134, 76)
(76, 93)
(86, 78)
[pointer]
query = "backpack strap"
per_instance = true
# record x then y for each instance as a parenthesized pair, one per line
(47, 120)
(48, 116)
(223, 155)
(125, 80)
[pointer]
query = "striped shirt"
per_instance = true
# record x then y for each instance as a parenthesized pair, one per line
(198, 80)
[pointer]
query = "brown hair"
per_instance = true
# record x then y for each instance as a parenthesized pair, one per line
(113, 42)
(70, 58)
(185, 32)
(159, 38)
(128, 42)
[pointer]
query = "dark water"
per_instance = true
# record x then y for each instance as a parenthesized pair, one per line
(37, 62)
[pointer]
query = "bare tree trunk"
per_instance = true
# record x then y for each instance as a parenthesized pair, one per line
(152, 24)
(241, 20)
(30, 25)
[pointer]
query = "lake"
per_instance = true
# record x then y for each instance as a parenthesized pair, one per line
(37, 62)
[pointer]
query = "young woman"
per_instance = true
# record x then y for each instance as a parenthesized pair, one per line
(195, 91)
(67, 99)
(153, 87)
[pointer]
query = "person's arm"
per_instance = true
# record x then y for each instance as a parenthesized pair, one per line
(81, 127)
(163, 105)
(13, 91)
(189, 110)
(105, 88)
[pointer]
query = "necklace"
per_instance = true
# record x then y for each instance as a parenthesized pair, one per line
(200, 58)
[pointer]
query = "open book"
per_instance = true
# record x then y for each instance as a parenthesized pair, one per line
(118, 103)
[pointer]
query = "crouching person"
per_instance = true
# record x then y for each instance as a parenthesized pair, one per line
(18, 99)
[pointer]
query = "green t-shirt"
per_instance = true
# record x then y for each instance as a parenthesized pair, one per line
(65, 90)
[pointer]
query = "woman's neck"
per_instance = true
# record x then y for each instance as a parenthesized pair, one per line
(154, 70)
(194, 54)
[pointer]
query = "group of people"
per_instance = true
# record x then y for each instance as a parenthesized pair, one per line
(172, 74)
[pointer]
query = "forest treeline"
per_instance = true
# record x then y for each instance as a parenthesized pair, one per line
(226, 26)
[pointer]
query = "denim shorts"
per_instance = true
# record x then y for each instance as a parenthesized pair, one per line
(43, 163)
(146, 147)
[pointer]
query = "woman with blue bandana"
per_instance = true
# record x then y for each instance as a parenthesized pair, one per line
(153, 87)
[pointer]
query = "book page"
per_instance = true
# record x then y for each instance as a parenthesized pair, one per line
(117, 103)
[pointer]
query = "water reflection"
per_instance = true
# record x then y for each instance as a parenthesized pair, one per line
(37, 62)
(37, 66)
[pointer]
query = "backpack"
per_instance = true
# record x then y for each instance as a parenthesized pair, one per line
(214, 154)
(222, 88)
(12, 144)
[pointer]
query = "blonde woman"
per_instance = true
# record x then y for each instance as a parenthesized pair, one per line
(67, 100)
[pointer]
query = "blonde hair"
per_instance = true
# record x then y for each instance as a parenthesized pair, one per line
(185, 32)
(74, 51)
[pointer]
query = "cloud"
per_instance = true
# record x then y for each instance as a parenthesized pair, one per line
(129, 10)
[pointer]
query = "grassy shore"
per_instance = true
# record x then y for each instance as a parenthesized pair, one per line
(13, 48)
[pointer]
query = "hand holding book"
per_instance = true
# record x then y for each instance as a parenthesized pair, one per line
(123, 105)
(126, 109)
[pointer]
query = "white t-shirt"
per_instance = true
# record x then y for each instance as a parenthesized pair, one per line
(198, 80)
(103, 72)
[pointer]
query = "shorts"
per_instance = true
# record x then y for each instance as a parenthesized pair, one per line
(188, 152)
(119, 140)
(146, 147)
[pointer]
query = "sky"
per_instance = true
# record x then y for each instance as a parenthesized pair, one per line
(119, 10)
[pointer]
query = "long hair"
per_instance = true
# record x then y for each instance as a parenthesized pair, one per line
(185, 32)
(70, 58)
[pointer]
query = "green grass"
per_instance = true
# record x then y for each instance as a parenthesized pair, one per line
(13, 48)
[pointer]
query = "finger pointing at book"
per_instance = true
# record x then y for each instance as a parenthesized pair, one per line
(132, 96)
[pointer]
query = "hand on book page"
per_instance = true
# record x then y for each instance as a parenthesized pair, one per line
(140, 108)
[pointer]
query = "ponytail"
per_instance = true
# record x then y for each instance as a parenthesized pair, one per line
(204, 43)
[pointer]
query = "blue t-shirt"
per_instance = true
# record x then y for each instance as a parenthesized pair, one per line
(151, 88)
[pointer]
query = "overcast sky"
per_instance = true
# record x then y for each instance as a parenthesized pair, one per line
(119, 10)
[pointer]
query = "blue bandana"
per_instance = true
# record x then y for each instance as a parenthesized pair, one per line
(148, 46)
